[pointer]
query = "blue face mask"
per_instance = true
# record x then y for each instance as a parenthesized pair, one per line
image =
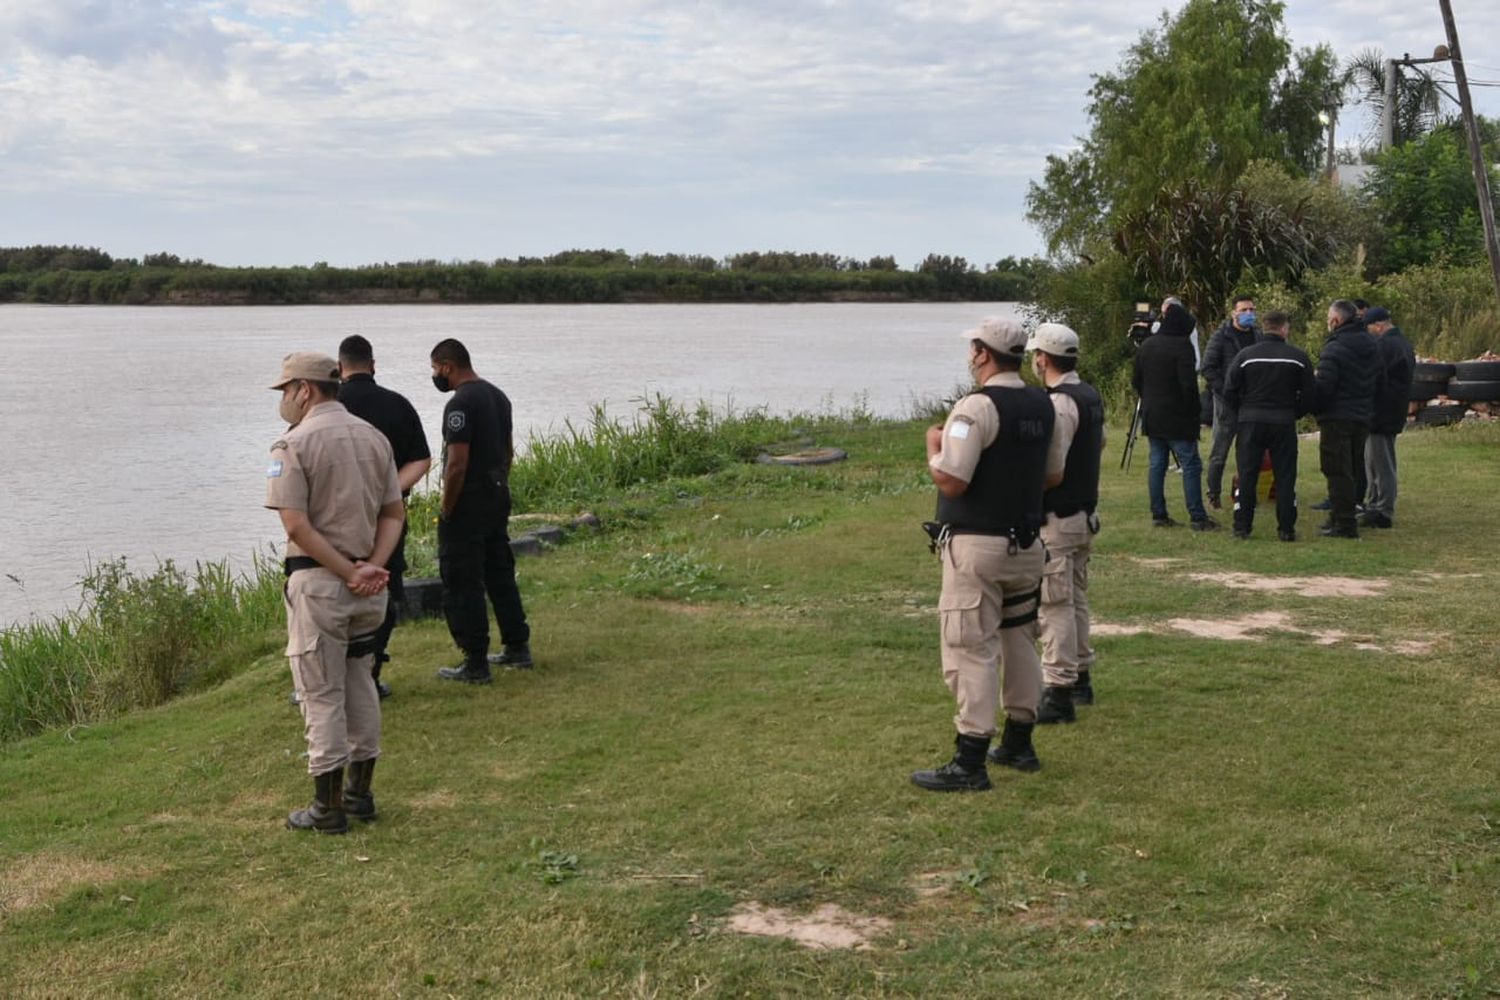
(1247, 319)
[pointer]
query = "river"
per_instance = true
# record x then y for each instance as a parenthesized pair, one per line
(142, 432)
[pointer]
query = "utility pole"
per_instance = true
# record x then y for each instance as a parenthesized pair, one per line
(1476, 153)
(1388, 109)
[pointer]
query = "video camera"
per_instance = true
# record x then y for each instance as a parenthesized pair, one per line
(1143, 324)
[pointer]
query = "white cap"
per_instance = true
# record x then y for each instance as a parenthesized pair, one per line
(999, 334)
(1054, 339)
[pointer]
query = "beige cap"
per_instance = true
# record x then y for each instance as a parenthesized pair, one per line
(315, 366)
(999, 334)
(1054, 339)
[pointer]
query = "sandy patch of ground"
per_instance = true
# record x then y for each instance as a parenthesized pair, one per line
(1106, 629)
(440, 798)
(1154, 561)
(1305, 586)
(27, 881)
(829, 926)
(929, 884)
(1234, 629)
(1258, 626)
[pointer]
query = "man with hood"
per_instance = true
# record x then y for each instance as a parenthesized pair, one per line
(1166, 381)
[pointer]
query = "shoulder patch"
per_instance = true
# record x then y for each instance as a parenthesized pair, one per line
(456, 420)
(960, 427)
(279, 445)
(274, 470)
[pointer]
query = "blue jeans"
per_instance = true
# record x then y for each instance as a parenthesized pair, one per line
(1192, 477)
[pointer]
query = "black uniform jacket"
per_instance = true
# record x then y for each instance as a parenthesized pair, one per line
(1349, 375)
(1270, 382)
(1400, 363)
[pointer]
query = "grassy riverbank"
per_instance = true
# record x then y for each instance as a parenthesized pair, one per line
(733, 685)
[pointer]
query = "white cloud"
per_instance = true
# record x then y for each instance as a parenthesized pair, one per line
(628, 122)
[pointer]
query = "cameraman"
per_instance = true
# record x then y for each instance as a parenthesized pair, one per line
(1166, 381)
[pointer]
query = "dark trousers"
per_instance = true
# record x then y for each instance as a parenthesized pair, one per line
(1341, 450)
(1255, 439)
(396, 588)
(475, 560)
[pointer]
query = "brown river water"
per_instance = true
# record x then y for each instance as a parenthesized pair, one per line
(142, 432)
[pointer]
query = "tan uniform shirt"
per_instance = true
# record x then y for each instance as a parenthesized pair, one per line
(973, 426)
(339, 470)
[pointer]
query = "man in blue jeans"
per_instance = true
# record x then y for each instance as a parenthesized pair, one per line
(1166, 380)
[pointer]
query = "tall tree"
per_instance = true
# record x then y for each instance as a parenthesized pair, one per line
(1196, 99)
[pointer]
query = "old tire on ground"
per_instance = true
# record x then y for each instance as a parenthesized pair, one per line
(1475, 391)
(1432, 371)
(811, 456)
(422, 598)
(1443, 413)
(1477, 371)
(1421, 392)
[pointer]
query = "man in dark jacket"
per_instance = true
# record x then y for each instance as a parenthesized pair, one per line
(1349, 377)
(1233, 336)
(1167, 385)
(1269, 386)
(1399, 361)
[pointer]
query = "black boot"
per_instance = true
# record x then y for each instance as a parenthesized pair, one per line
(1015, 749)
(1056, 706)
(516, 656)
(326, 814)
(1083, 689)
(964, 773)
(359, 801)
(474, 670)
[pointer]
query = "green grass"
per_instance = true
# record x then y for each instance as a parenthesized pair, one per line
(732, 690)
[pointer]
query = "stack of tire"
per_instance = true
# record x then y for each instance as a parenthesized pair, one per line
(1445, 391)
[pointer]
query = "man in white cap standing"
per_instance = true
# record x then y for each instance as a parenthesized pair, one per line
(333, 482)
(1070, 500)
(989, 460)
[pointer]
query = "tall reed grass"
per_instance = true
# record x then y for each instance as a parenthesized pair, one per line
(136, 640)
(594, 463)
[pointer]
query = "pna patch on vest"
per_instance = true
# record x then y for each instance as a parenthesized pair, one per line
(274, 470)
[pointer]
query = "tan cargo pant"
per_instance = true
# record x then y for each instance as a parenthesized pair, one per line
(980, 575)
(340, 708)
(1064, 614)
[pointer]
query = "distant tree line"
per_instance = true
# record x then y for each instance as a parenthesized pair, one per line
(88, 275)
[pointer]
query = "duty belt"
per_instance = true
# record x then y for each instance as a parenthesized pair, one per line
(292, 564)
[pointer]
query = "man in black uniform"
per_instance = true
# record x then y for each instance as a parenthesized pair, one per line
(394, 416)
(1349, 377)
(474, 555)
(1269, 385)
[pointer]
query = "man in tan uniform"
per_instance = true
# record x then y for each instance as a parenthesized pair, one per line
(988, 461)
(1070, 500)
(333, 481)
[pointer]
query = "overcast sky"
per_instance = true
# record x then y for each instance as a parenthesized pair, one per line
(355, 131)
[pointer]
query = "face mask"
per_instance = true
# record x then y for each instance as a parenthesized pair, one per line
(290, 410)
(1247, 319)
(441, 383)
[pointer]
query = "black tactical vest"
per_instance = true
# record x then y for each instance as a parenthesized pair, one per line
(1005, 494)
(1079, 490)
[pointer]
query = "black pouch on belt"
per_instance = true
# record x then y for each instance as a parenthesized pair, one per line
(934, 531)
